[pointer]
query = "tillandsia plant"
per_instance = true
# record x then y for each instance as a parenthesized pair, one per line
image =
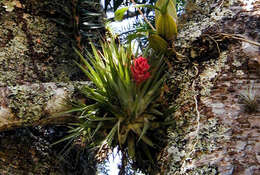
(161, 37)
(123, 110)
(249, 99)
(166, 25)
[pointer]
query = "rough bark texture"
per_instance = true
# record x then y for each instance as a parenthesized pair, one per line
(36, 61)
(35, 104)
(37, 74)
(215, 134)
(35, 64)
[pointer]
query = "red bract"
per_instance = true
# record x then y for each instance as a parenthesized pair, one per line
(140, 70)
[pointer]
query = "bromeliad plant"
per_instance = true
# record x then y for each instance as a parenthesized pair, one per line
(250, 99)
(122, 110)
(166, 25)
(161, 37)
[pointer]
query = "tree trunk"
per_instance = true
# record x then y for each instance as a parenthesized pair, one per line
(216, 131)
(37, 72)
(37, 76)
(35, 65)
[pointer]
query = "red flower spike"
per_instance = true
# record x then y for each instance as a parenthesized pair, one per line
(140, 70)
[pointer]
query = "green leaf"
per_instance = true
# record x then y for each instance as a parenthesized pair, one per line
(145, 139)
(170, 110)
(102, 119)
(145, 128)
(123, 135)
(133, 36)
(111, 134)
(166, 7)
(71, 136)
(77, 129)
(119, 14)
(93, 94)
(156, 112)
(174, 2)
(100, 124)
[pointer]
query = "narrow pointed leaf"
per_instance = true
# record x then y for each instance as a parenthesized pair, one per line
(119, 14)
(145, 128)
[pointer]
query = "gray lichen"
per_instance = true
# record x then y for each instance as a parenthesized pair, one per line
(194, 148)
(28, 105)
(30, 50)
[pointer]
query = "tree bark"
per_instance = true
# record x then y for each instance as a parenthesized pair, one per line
(36, 104)
(215, 134)
(37, 72)
(37, 76)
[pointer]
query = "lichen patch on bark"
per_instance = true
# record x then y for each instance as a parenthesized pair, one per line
(32, 49)
(214, 134)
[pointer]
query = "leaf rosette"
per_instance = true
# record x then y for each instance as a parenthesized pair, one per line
(123, 109)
